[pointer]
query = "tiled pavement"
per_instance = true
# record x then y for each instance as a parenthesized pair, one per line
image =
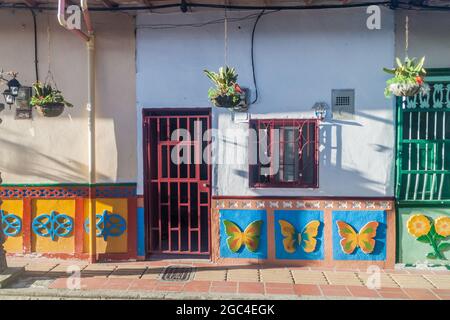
(236, 281)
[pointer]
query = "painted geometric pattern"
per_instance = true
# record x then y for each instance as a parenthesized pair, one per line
(304, 204)
(11, 224)
(108, 225)
(53, 225)
(67, 192)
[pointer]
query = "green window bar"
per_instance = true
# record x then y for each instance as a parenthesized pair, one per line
(423, 144)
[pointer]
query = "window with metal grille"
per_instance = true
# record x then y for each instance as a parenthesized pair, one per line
(284, 153)
(423, 144)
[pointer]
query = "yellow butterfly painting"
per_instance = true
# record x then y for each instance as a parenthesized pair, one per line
(364, 239)
(306, 239)
(236, 238)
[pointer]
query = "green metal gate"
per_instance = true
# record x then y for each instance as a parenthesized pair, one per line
(423, 144)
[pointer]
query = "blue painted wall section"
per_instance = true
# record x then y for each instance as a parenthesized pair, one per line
(140, 233)
(357, 220)
(242, 218)
(298, 219)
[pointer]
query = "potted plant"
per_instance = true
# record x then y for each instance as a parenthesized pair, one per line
(408, 78)
(227, 93)
(48, 101)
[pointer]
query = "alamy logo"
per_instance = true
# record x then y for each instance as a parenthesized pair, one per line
(74, 17)
(374, 277)
(74, 280)
(373, 22)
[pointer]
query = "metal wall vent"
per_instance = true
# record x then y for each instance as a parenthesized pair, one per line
(343, 103)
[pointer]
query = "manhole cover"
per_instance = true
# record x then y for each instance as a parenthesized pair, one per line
(177, 273)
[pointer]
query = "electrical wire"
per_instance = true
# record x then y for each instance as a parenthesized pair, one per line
(398, 5)
(253, 56)
(196, 25)
(213, 6)
(36, 62)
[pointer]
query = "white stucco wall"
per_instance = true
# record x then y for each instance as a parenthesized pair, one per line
(53, 150)
(428, 36)
(299, 57)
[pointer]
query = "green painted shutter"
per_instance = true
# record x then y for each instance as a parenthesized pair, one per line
(423, 144)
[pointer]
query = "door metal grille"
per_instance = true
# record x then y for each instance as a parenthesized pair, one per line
(177, 183)
(423, 145)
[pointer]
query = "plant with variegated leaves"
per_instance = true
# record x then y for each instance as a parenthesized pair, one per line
(408, 78)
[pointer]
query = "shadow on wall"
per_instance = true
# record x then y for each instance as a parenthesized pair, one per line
(33, 163)
(330, 156)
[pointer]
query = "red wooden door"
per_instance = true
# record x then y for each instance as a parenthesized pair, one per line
(177, 181)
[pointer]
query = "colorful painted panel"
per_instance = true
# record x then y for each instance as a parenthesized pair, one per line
(113, 238)
(299, 234)
(434, 232)
(243, 234)
(108, 225)
(53, 225)
(424, 235)
(12, 224)
(359, 235)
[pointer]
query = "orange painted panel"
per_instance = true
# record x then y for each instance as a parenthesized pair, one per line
(112, 244)
(64, 244)
(14, 207)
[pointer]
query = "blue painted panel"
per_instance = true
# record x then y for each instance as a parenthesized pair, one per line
(357, 219)
(299, 219)
(140, 233)
(242, 218)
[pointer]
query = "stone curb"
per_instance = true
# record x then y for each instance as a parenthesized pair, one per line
(51, 294)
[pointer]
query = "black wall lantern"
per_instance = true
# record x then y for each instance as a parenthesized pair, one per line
(14, 86)
(9, 98)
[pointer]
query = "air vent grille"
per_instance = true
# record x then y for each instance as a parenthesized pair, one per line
(343, 103)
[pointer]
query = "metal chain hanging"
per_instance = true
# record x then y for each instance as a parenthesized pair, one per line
(49, 77)
(406, 36)
(225, 38)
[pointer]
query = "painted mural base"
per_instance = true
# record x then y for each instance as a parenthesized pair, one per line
(53, 221)
(414, 252)
(311, 234)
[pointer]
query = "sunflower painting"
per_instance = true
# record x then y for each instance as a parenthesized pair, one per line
(435, 233)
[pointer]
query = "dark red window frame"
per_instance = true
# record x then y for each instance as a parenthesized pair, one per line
(307, 148)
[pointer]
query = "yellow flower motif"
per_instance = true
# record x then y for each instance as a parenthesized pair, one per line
(418, 225)
(442, 225)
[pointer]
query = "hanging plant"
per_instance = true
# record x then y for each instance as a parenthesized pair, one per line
(48, 101)
(408, 78)
(227, 93)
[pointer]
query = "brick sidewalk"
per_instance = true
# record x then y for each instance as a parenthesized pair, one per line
(239, 281)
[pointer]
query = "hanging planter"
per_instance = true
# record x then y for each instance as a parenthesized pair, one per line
(49, 102)
(407, 80)
(227, 93)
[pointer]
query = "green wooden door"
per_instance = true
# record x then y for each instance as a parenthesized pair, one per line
(423, 144)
